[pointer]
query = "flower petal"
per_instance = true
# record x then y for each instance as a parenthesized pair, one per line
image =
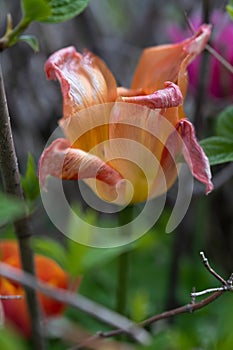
(88, 128)
(137, 137)
(64, 162)
(194, 154)
(162, 63)
(85, 79)
(168, 97)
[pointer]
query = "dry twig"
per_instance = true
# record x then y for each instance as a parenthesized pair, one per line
(122, 324)
(189, 308)
(11, 183)
(78, 301)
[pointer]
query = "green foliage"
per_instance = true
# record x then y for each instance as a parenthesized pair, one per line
(81, 258)
(36, 10)
(74, 257)
(224, 123)
(219, 148)
(52, 11)
(139, 304)
(229, 8)
(29, 181)
(52, 249)
(31, 40)
(8, 341)
(11, 208)
(85, 256)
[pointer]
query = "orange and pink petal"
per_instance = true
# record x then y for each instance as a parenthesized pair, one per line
(194, 154)
(163, 63)
(168, 97)
(84, 78)
(62, 161)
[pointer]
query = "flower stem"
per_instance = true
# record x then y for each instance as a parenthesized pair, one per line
(125, 216)
(198, 122)
(11, 183)
(12, 34)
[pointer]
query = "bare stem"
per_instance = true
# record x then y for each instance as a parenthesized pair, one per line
(123, 271)
(10, 297)
(125, 216)
(210, 49)
(201, 88)
(11, 182)
(211, 270)
(122, 324)
(11, 36)
(189, 308)
(220, 58)
(78, 301)
(226, 285)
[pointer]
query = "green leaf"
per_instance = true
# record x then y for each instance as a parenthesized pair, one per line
(36, 10)
(30, 182)
(218, 149)
(224, 124)
(53, 11)
(81, 258)
(31, 40)
(139, 305)
(52, 249)
(63, 10)
(8, 340)
(11, 208)
(229, 8)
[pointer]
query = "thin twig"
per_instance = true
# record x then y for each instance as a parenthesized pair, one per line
(201, 81)
(10, 297)
(226, 285)
(220, 58)
(211, 270)
(122, 324)
(11, 182)
(210, 49)
(78, 301)
(189, 308)
(208, 291)
(125, 216)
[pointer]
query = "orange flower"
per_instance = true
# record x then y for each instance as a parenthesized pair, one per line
(125, 143)
(47, 270)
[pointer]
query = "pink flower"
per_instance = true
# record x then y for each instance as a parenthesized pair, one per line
(220, 80)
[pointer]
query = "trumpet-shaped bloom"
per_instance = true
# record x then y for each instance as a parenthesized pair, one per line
(47, 270)
(125, 143)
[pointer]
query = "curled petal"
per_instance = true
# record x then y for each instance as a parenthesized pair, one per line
(200, 39)
(64, 162)
(162, 63)
(194, 154)
(85, 79)
(168, 97)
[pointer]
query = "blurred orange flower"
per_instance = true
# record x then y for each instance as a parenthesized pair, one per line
(126, 143)
(47, 270)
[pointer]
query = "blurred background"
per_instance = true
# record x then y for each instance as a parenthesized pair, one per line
(164, 267)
